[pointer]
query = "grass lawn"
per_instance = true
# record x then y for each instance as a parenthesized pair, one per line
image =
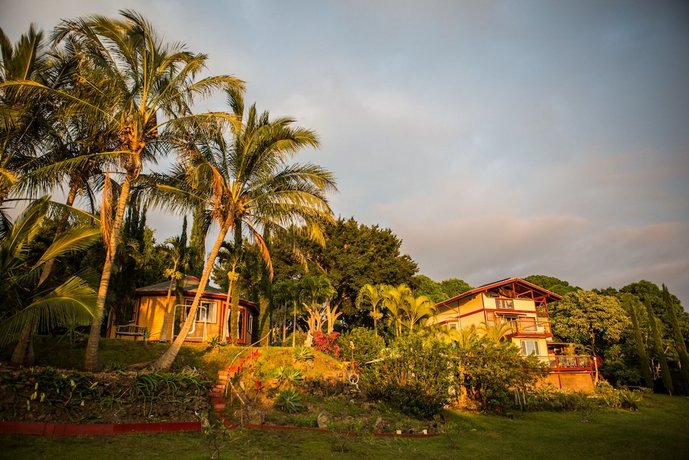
(660, 430)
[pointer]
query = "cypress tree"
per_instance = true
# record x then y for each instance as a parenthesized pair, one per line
(630, 302)
(658, 346)
(680, 346)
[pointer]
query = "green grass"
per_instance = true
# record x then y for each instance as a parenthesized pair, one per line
(659, 430)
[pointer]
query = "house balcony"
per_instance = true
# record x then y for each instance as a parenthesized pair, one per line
(564, 363)
(525, 327)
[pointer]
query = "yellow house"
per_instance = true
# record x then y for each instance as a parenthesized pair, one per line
(162, 319)
(523, 308)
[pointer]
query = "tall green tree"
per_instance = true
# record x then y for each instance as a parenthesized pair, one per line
(590, 319)
(355, 255)
(631, 304)
(552, 284)
(248, 182)
(680, 345)
(658, 348)
(148, 88)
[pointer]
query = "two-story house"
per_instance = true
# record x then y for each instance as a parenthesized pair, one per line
(522, 308)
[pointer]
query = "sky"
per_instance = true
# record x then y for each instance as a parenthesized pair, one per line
(495, 138)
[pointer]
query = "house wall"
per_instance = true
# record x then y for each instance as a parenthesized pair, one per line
(151, 313)
(462, 314)
(159, 318)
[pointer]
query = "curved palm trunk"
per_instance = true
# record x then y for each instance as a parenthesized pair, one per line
(163, 331)
(91, 361)
(23, 352)
(166, 360)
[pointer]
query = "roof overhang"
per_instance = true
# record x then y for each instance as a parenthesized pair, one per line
(516, 288)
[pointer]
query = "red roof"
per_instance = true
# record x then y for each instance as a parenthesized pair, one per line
(521, 287)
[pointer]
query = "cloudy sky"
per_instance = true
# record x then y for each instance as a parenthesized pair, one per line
(496, 138)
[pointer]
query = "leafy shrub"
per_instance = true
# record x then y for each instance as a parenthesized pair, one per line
(289, 401)
(552, 399)
(489, 371)
(617, 398)
(367, 345)
(327, 343)
(303, 354)
(549, 398)
(414, 376)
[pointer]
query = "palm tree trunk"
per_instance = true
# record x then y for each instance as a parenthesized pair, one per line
(23, 351)
(294, 323)
(284, 324)
(234, 316)
(166, 360)
(163, 332)
(91, 359)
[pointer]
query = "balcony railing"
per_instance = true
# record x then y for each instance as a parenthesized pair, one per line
(525, 327)
(564, 363)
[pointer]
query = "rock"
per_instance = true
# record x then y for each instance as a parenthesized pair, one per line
(323, 419)
(378, 426)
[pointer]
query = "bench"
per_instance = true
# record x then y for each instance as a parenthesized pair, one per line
(130, 330)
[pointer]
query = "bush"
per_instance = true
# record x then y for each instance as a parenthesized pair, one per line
(413, 377)
(367, 345)
(549, 398)
(490, 371)
(327, 343)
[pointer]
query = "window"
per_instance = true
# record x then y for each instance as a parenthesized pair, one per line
(206, 313)
(504, 304)
(529, 347)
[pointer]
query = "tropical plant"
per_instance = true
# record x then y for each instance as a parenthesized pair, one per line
(405, 309)
(289, 401)
(371, 296)
(31, 299)
(247, 183)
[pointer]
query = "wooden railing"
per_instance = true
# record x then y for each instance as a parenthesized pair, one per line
(525, 326)
(563, 362)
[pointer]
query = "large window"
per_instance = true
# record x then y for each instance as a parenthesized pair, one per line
(206, 313)
(530, 347)
(507, 304)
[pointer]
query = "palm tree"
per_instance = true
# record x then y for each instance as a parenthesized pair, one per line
(417, 310)
(142, 90)
(177, 255)
(316, 293)
(373, 296)
(395, 301)
(31, 299)
(22, 116)
(247, 183)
